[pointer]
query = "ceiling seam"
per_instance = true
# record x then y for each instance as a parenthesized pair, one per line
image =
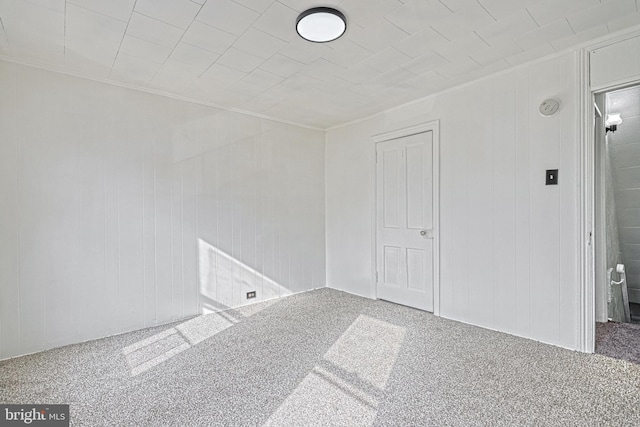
(124, 34)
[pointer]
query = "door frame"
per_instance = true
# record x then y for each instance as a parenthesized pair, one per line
(586, 99)
(434, 128)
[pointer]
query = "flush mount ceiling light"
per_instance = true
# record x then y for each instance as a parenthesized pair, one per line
(321, 24)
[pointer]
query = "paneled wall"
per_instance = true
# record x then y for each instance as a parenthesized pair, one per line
(509, 244)
(122, 209)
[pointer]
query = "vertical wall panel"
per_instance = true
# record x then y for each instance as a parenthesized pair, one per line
(522, 179)
(149, 230)
(9, 218)
(504, 194)
(123, 209)
(480, 207)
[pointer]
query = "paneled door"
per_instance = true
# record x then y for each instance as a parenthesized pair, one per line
(405, 218)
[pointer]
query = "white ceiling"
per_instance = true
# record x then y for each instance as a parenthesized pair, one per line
(246, 54)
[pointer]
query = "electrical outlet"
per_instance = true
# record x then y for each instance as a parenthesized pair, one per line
(251, 294)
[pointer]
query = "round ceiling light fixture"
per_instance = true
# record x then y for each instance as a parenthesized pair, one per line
(321, 24)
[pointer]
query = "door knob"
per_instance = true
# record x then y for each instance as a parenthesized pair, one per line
(427, 233)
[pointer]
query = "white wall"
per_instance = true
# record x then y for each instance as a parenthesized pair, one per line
(122, 209)
(509, 244)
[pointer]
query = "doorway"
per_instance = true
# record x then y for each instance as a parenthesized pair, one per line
(617, 223)
(407, 218)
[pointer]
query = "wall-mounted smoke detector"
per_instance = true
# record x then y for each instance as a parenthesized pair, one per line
(549, 107)
(321, 24)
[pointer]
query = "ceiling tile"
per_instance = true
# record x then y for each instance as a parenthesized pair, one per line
(508, 28)
(194, 56)
(257, 5)
(119, 9)
(86, 25)
(414, 14)
(262, 79)
(545, 34)
(263, 101)
(305, 52)
(259, 44)
(302, 5)
(322, 69)
(89, 61)
(4, 42)
(361, 11)
(346, 53)
(218, 74)
(359, 73)
(282, 65)
(574, 39)
(176, 76)
(133, 69)
(457, 68)
(377, 35)
(503, 9)
(279, 21)
(427, 62)
(179, 13)
(143, 49)
(395, 77)
(463, 21)
(531, 54)
(622, 22)
(429, 80)
(206, 37)
(586, 19)
(461, 47)
(420, 43)
(54, 5)
(33, 31)
(238, 60)
(547, 11)
(154, 31)
(387, 59)
(228, 16)
(496, 52)
(300, 81)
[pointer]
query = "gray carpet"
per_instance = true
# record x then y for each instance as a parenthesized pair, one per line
(619, 340)
(325, 358)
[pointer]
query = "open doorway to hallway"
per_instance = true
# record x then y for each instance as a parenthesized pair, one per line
(617, 217)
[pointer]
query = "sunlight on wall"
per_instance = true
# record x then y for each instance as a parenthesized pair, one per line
(225, 279)
(152, 351)
(347, 385)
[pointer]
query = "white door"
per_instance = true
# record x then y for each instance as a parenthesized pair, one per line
(405, 249)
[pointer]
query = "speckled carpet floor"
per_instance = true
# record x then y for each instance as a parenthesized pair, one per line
(325, 358)
(618, 340)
